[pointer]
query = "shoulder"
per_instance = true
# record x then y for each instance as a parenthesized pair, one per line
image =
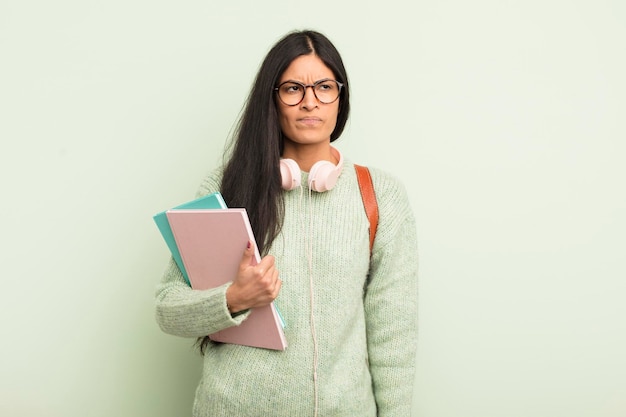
(390, 190)
(387, 183)
(211, 182)
(394, 207)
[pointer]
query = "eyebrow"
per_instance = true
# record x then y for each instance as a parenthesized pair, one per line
(314, 82)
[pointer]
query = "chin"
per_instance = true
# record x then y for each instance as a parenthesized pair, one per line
(307, 139)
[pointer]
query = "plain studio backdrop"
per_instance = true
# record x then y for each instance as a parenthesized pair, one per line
(505, 120)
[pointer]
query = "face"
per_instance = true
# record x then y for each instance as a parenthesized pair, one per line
(309, 122)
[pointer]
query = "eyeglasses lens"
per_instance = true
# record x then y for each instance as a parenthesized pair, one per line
(326, 91)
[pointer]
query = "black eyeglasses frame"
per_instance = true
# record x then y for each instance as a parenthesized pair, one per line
(305, 86)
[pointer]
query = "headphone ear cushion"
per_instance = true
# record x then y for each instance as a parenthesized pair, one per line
(289, 174)
(323, 176)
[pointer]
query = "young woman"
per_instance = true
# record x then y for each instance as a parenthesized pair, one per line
(351, 315)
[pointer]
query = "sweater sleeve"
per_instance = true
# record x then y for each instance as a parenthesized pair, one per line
(183, 311)
(391, 302)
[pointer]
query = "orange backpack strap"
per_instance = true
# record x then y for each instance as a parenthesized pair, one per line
(369, 199)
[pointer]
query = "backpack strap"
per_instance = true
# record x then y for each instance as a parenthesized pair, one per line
(369, 199)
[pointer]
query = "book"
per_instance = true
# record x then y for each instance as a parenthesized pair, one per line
(211, 244)
(209, 201)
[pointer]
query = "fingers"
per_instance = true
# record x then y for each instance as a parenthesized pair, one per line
(255, 285)
(268, 277)
(277, 286)
(265, 265)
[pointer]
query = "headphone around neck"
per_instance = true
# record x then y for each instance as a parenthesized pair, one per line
(322, 177)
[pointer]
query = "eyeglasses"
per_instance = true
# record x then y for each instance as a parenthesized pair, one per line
(292, 92)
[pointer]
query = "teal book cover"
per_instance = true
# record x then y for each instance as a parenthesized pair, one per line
(209, 201)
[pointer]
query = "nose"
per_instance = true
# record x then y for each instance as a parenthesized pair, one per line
(310, 100)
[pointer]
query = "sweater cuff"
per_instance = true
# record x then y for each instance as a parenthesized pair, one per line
(227, 318)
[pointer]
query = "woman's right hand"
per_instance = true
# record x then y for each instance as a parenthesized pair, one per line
(254, 286)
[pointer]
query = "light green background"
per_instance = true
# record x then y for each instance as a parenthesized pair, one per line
(505, 119)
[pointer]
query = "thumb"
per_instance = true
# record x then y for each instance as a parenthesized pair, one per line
(246, 259)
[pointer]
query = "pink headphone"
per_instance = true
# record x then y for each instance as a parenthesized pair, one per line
(322, 177)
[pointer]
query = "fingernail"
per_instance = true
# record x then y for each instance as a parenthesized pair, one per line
(248, 245)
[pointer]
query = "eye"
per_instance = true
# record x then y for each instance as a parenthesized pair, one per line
(326, 86)
(291, 88)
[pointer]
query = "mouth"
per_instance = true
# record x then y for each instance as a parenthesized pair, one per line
(310, 121)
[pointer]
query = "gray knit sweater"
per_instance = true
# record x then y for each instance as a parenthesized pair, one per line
(365, 312)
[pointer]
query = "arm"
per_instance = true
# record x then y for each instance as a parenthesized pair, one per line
(391, 306)
(183, 311)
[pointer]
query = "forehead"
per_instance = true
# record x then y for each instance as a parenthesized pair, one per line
(307, 69)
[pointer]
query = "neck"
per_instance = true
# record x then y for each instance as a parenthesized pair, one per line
(307, 155)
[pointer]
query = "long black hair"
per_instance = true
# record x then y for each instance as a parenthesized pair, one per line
(251, 176)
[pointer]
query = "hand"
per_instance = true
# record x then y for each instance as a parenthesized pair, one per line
(254, 286)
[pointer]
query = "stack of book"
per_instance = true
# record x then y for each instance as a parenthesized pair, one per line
(207, 241)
